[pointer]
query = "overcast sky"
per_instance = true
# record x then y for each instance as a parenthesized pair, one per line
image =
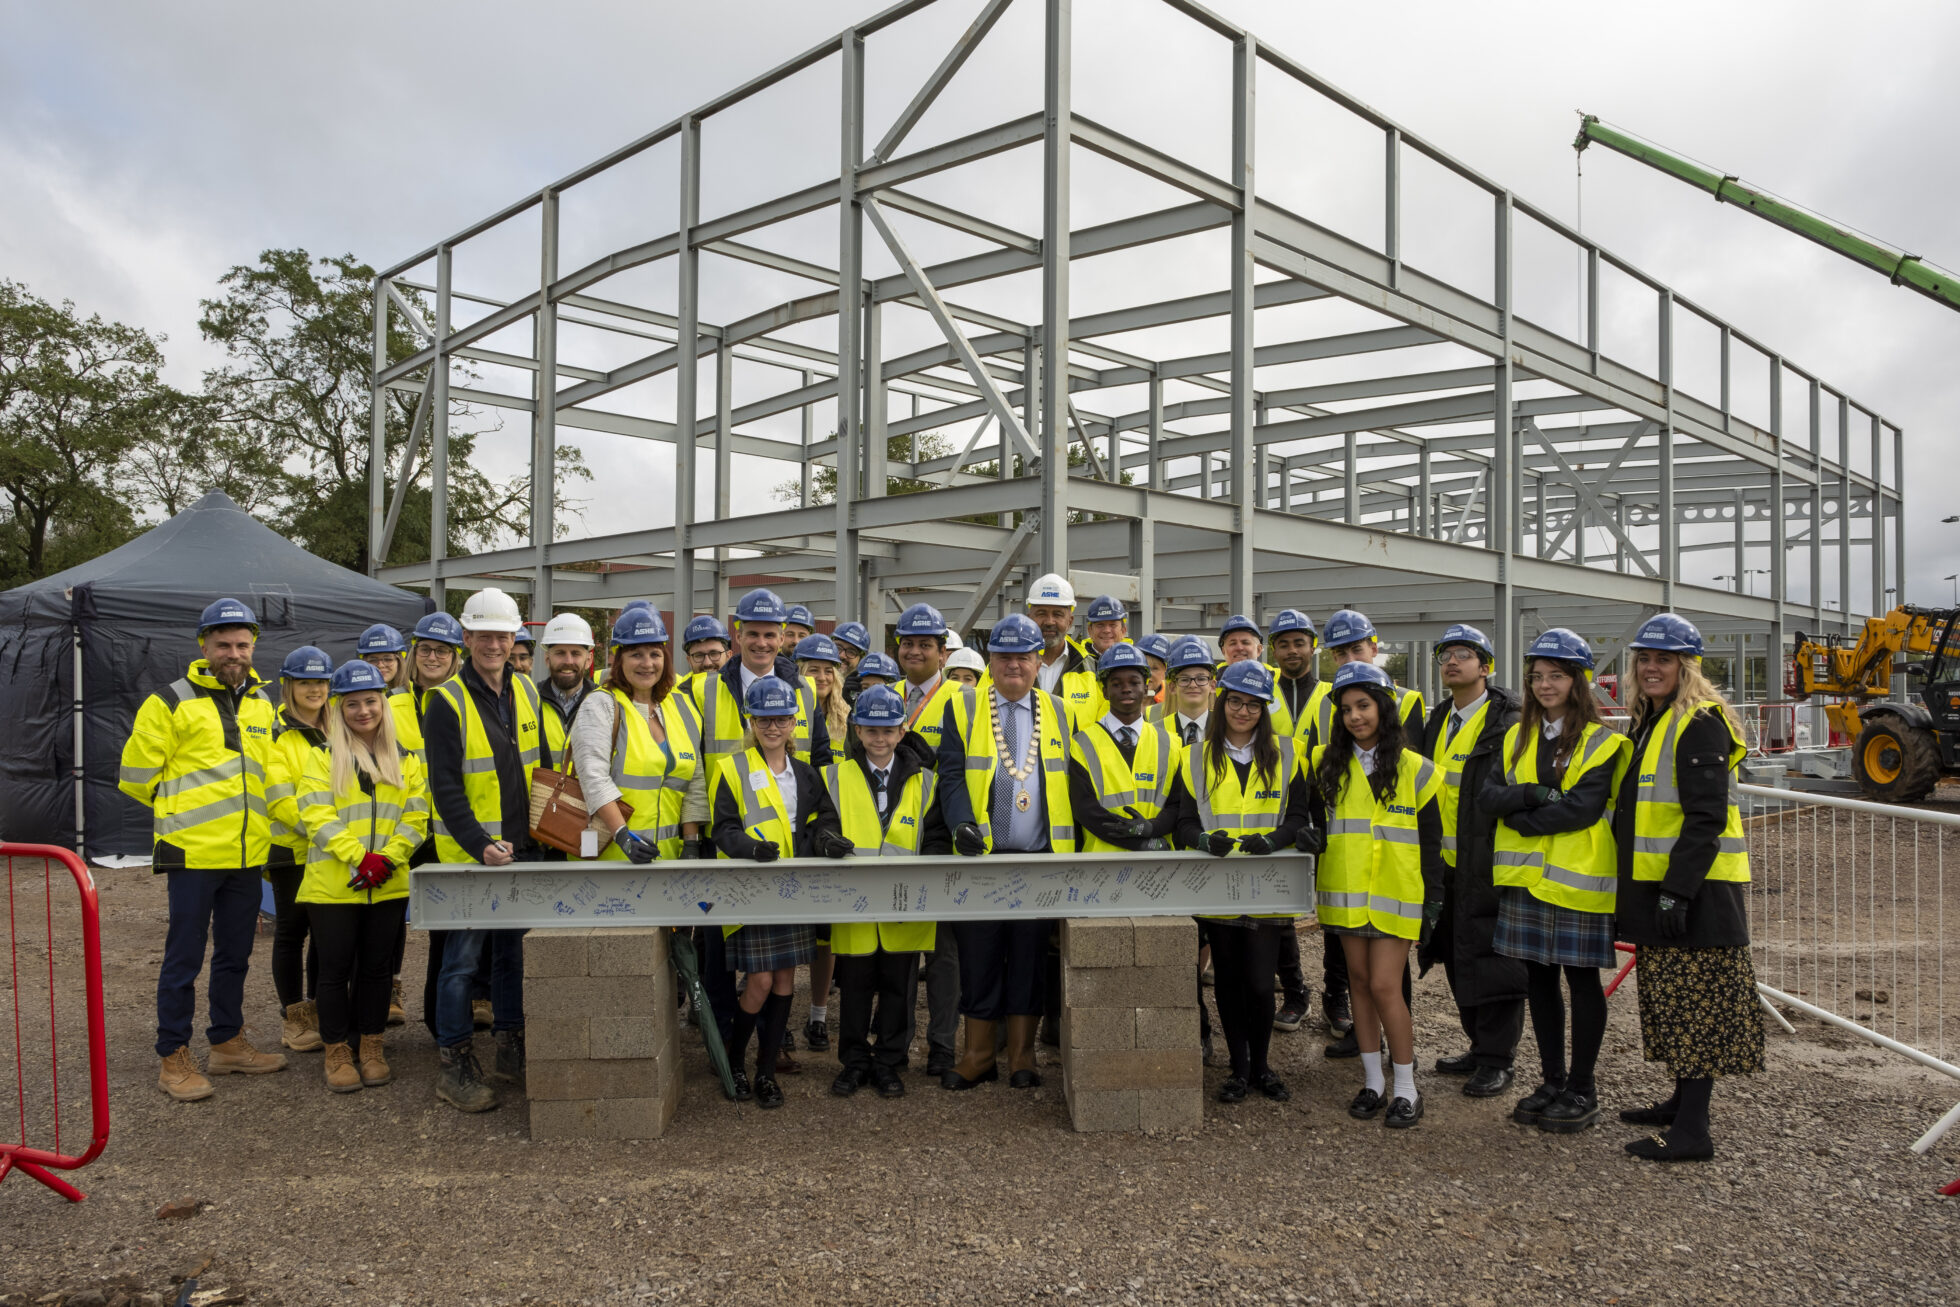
(146, 148)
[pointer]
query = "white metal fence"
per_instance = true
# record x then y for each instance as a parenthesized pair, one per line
(1850, 905)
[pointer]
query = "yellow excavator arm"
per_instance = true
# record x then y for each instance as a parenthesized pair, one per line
(1860, 671)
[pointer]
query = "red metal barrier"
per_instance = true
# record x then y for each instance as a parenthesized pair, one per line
(1621, 974)
(40, 1163)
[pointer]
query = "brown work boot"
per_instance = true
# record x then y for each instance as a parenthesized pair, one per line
(301, 1029)
(976, 1064)
(397, 1015)
(237, 1054)
(374, 1066)
(1020, 1052)
(342, 1077)
(482, 1015)
(179, 1077)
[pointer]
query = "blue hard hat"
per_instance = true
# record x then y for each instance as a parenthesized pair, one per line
(854, 634)
(1248, 678)
(1563, 645)
(818, 648)
(761, 606)
(1107, 608)
(921, 619)
(1014, 634)
(307, 663)
(380, 638)
(356, 675)
(1118, 657)
(440, 627)
(524, 635)
(878, 705)
(1349, 674)
(1239, 622)
(770, 696)
(639, 626)
(1189, 652)
(1157, 645)
(1460, 633)
(227, 612)
(1669, 633)
(705, 627)
(878, 664)
(635, 603)
(1292, 619)
(800, 615)
(1347, 627)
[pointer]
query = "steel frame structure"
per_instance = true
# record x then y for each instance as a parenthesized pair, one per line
(1423, 497)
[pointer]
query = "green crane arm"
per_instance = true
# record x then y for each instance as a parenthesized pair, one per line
(1904, 269)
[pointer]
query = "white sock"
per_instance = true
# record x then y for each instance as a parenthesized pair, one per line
(1405, 1080)
(819, 1011)
(1371, 1071)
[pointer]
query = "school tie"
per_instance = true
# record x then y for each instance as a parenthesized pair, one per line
(878, 779)
(1126, 737)
(1190, 732)
(1456, 724)
(1010, 734)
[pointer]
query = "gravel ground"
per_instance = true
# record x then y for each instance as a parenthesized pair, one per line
(386, 1196)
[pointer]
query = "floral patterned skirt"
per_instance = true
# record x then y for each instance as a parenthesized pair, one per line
(1699, 1012)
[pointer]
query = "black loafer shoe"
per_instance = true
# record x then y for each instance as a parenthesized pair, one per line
(955, 1081)
(767, 1092)
(1273, 1087)
(816, 1035)
(848, 1082)
(1346, 1046)
(1367, 1105)
(1461, 1065)
(1403, 1114)
(889, 1085)
(1232, 1091)
(938, 1064)
(1570, 1113)
(1666, 1148)
(742, 1092)
(1338, 1011)
(1489, 1081)
(1024, 1080)
(1658, 1114)
(1530, 1109)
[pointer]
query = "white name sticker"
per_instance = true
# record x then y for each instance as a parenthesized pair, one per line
(758, 781)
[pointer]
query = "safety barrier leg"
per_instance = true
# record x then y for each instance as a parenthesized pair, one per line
(1633, 960)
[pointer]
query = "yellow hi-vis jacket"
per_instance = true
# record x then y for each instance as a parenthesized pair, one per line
(1371, 873)
(480, 764)
(1578, 869)
(1252, 808)
(1449, 757)
(653, 775)
(406, 706)
(1657, 815)
(197, 758)
(1408, 701)
(1283, 722)
(293, 745)
(722, 723)
(973, 718)
(1142, 783)
(894, 835)
(370, 817)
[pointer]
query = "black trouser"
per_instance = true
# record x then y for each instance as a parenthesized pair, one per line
(1292, 981)
(356, 942)
(1243, 961)
(1494, 1028)
(888, 980)
(1333, 965)
(1547, 1004)
(1002, 968)
(290, 938)
(717, 981)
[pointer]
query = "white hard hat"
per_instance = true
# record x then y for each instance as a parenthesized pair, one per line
(491, 610)
(1051, 591)
(953, 641)
(567, 628)
(967, 658)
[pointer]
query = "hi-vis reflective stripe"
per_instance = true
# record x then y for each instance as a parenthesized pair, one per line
(1374, 902)
(1578, 880)
(1092, 762)
(227, 807)
(1398, 834)
(227, 770)
(1253, 820)
(1665, 844)
(1517, 858)
(139, 775)
(1350, 825)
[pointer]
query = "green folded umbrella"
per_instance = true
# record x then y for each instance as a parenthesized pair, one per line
(688, 967)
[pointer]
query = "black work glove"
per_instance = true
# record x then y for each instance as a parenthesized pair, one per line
(1258, 845)
(1432, 914)
(1537, 796)
(830, 844)
(637, 851)
(695, 849)
(1671, 917)
(968, 840)
(1218, 844)
(765, 851)
(1311, 839)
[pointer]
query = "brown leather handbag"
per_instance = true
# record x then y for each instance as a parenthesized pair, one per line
(558, 814)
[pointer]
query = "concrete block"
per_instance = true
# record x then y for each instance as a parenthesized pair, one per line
(634, 1037)
(1091, 1111)
(612, 1118)
(551, 997)
(1166, 942)
(627, 951)
(1170, 1109)
(1131, 986)
(1167, 1027)
(1162, 1068)
(1099, 1028)
(622, 1078)
(556, 952)
(1098, 942)
(561, 1039)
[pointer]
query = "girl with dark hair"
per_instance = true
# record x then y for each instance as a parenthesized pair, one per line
(1379, 884)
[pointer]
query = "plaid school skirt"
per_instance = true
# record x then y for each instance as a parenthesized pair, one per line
(1537, 931)
(771, 948)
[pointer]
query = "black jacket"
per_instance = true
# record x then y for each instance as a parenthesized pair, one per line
(1717, 912)
(1574, 809)
(1182, 807)
(1463, 939)
(731, 676)
(814, 811)
(442, 737)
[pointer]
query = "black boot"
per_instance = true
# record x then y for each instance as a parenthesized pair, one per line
(509, 1066)
(1687, 1140)
(459, 1080)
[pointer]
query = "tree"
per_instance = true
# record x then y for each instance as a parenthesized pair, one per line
(75, 395)
(173, 463)
(898, 449)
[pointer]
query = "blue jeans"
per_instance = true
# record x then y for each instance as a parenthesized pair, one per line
(216, 907)
(462, 951)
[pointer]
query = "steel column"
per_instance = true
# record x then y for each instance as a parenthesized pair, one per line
(439, 426)
(850, 319)
(1058, 102)
(544, 419)
(687, 347)
(378, 434)
(1245, 455)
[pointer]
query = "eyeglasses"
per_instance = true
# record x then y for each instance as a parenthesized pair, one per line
(1548, 678)
(1233, 703)
(1195, 682)
(1455, 654)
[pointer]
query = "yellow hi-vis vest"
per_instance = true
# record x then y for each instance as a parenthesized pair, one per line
(1657, 815)
(1371, 873)
(722, 722)
(930, 716)
(1283, 720)
(1573, 869)
(480, 764)
(555, 730)
(197, 759)
(1142, 783)
(292, 749)
(1449, 756)
(973, 718)
(653, 775)
(1250, 809)
(390, 821)
(895, 836)
(764, 815)
(1408, 701)
(406, 705)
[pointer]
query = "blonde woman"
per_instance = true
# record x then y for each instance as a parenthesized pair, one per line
(366, 807)
(1683, 865)
(822, 665)
(300, 733)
